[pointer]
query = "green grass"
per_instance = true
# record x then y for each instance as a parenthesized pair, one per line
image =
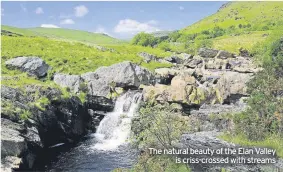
(65, 35)
(273, 141)
(72, 58)
(234, 43)
(76, 35)
(258, 14)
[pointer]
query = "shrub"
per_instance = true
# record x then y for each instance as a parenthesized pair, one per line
(158, 126)
(206, 43)
(144, 39)
(205, 32)
(174, 36)
(164, 46)
(264, 115)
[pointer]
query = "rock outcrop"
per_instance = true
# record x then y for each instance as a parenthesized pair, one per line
(125, 75)
(213, 76)
(34, 66)
(28, 126)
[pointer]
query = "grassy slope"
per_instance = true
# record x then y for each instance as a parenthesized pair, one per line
(65, 34)
(16, 30)
(258, 14)
(71, 58)
(76, 35)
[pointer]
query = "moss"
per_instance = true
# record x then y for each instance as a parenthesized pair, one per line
(82, 96)
(218, 96)
(42, 103)
(197, 96)
(25, 115)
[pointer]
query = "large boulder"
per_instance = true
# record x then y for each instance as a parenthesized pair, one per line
(34, 66)
(125, 75)
(73, 82)
(207, 52)
(243, 65)
(233, 83)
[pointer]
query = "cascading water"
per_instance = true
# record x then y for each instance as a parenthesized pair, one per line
(115, 127)
(108, 148)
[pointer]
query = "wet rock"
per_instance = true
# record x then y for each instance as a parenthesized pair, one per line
(9, 163)
(99, 103)
(34, 66)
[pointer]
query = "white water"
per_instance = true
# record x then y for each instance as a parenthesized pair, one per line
(114, 130)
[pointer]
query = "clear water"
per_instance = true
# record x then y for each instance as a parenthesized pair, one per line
(109, 147)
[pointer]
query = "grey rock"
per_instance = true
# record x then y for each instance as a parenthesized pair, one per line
(207, 52)
(124, 75)
(211, 117)
(147, 57)
(12, 143)
(186, 56)
(193, 63)
(225, 54)
(233, 83)
(34, 66)
(205, 140)
(174, 59)
(71, 81)
(215, 64)
(9, 163)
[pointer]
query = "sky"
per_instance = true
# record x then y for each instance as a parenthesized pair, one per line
(117, 19)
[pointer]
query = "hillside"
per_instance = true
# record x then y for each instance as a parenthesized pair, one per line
(260, 15)
(235, 25)
(64, 34)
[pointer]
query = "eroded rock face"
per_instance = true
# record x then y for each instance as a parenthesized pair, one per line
(34, 66)
(61, 121)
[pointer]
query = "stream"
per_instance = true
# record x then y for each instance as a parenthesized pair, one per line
(109, 147)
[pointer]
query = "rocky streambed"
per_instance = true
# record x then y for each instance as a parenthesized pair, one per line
(40, 118)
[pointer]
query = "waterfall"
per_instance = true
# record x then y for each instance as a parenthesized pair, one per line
(114, 130)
